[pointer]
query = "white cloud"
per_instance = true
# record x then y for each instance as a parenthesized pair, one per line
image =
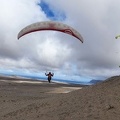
(97, 21)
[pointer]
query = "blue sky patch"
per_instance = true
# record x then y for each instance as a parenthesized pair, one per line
(52, 13)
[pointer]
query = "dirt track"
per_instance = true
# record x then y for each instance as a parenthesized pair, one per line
(27, 101)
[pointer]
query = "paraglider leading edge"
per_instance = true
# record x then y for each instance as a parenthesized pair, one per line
(50, 25)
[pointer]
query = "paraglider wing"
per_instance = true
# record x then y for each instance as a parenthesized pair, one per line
(117, 36)
(50, 25)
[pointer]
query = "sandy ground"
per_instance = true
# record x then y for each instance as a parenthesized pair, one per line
(22, 99)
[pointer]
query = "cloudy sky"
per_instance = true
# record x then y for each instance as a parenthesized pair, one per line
(96, 20)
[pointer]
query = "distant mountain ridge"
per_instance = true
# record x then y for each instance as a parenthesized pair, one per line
(95, 81)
